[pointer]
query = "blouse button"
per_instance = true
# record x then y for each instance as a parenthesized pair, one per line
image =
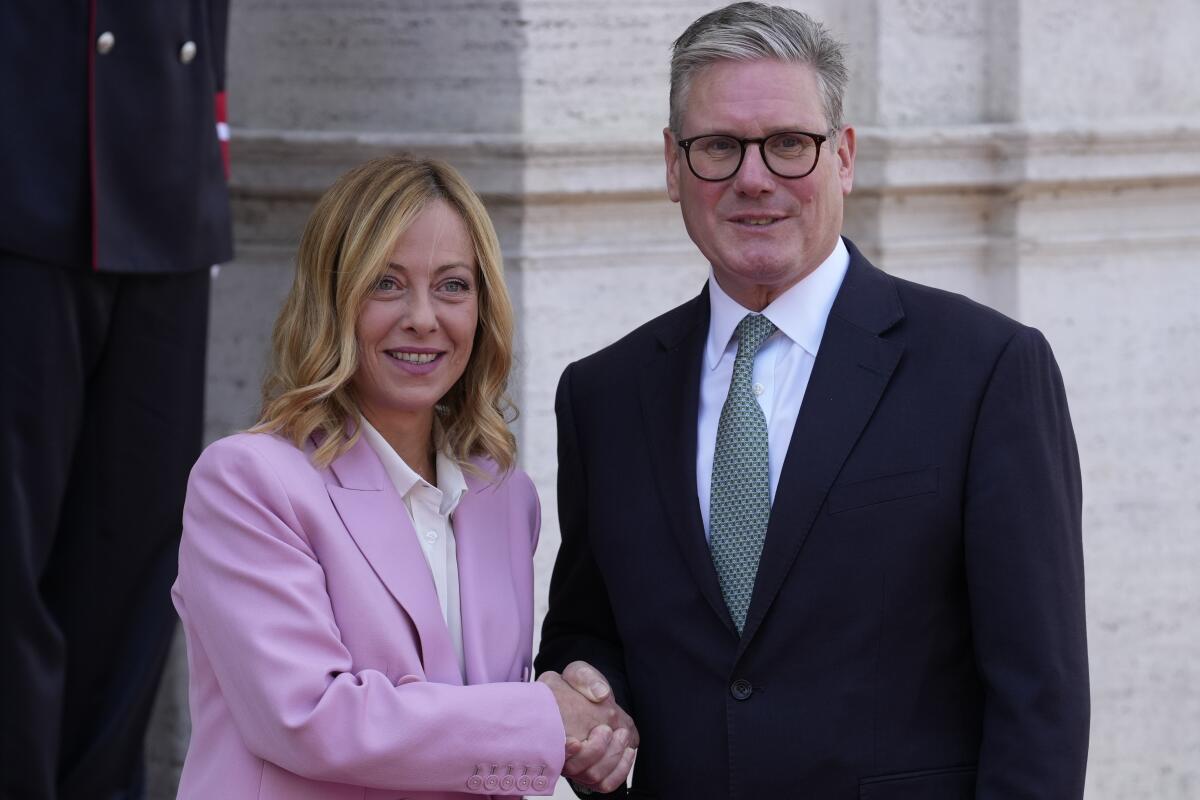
(431, 536)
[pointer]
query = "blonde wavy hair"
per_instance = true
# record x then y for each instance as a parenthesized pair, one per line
(343, 252)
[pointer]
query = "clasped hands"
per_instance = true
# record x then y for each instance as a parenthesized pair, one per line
(601, 737)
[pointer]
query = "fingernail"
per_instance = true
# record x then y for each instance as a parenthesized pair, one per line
(600, 690)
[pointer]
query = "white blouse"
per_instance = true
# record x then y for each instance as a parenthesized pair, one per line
(429, 510)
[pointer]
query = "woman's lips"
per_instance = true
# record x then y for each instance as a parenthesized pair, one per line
(416, 361)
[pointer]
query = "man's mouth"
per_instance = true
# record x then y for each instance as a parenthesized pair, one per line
(756, 222)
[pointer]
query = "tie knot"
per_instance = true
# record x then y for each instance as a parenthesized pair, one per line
(752, 331)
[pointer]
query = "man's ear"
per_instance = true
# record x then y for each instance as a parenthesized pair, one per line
(845, 158)
(671, 154)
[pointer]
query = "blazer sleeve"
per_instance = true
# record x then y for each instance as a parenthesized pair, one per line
(254, 595)
(1024, 562)
(579, 625)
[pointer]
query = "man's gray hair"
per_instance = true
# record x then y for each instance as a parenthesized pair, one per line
(752, 32)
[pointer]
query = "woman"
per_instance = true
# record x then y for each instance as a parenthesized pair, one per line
(355, 576)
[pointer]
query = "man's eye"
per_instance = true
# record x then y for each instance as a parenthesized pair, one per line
(789, 144)
(720, 147)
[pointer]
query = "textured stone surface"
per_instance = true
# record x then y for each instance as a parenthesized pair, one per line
(1042, 157)
(374, 65)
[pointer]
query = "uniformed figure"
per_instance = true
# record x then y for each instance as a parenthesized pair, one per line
(113, 208)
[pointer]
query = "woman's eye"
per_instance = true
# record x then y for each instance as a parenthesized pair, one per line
(456, 286)
(387, 284)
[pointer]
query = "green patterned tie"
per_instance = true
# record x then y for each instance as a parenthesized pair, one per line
(740, 503)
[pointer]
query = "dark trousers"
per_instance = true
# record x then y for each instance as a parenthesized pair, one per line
(101, 418)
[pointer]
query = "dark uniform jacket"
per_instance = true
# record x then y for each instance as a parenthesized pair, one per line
(110, 157)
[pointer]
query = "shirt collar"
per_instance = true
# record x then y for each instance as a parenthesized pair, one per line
(800, 312)
(450, 479)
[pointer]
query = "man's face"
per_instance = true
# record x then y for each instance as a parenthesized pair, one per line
(761, 233)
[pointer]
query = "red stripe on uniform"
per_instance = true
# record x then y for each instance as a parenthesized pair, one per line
(221, 112)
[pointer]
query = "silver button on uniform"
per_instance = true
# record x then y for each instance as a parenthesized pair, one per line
(105, 43)
(187, 52)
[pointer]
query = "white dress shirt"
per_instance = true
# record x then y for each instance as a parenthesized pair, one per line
(429, 509)
(781, 368)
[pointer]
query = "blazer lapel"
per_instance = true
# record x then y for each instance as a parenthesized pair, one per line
(488, 606)
(376, 518)
(670, 387)
(852, 370)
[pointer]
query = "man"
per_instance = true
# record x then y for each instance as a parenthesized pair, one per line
(821, 526)
(114, 209)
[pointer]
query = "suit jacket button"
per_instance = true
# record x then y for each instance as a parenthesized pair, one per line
(523, 783)
(474, 783)
(105, 42)
(187, 52)
(540, 783)
(491, 782)
(507, 782)
(741, 689)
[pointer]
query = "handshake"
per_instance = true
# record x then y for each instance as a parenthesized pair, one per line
(601, 738)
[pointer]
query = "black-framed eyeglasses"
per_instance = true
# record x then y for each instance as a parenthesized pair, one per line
(788, 154)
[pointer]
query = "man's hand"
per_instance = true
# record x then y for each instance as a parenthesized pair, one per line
(601, 737)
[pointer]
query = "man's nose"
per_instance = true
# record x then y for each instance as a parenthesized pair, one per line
(753, 178)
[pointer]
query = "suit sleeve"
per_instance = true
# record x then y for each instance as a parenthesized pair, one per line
(252, 592)
(579, 625)
(1024, 560)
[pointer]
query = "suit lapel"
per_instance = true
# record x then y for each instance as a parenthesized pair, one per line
(490, 615)
(851, 371)
(670, 388)
(378, 522)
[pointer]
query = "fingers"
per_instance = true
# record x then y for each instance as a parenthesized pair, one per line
(579, 715)
(591, 752)
(603, 761)
(587, 680)
(573, 747)
(624, 721)
(619, 775)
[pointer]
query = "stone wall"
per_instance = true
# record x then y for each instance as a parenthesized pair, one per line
(1041, 157)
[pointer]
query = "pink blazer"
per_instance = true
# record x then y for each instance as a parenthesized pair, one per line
(320, 664)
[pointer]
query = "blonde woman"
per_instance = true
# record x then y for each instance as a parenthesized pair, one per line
(355, 576)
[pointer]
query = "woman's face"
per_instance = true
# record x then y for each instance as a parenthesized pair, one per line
(417, 325)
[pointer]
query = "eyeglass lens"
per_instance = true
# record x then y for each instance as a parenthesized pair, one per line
(789, 155)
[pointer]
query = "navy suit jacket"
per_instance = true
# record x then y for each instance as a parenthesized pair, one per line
(917, 623)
